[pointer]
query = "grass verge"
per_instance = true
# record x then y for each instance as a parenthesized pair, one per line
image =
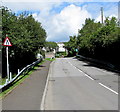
(50, 59)
(2, 81)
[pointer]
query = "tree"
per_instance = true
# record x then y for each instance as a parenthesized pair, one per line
(50, 46)
(27, 36)
(85, 35)
(71, 46)
(98, 41)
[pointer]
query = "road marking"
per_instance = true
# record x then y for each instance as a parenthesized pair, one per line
(88, 76)
(93, 79)
(108, 88)
(84, 73)
(81, 71)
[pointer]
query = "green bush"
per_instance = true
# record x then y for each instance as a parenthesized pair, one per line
(60, 54)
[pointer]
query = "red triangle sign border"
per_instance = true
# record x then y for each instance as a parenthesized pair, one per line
(7, 38)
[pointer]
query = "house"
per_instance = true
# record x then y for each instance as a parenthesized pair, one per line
(61, 47)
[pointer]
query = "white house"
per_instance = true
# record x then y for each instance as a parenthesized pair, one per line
(61, 47)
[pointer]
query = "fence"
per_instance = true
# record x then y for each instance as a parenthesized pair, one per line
(27, 68)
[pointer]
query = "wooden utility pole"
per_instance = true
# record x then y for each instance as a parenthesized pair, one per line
(102, 15)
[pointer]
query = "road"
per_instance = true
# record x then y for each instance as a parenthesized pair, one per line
(78, 85)
(49, 55)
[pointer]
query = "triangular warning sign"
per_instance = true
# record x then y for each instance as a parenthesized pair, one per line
(7, 42)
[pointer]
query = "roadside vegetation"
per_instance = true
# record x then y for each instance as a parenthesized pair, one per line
(50, 59)
(60, 54)
(27, 37)
(96, 40)
(50, 46)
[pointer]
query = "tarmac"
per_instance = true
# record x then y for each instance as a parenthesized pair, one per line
(28, 95)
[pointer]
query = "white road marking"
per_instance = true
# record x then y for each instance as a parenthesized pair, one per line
(93, 79)
(108, 88)
(88, 76)
(81, 71)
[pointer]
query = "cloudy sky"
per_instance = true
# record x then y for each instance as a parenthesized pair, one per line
(63, 18)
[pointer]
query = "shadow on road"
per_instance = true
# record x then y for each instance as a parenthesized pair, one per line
(101, 66)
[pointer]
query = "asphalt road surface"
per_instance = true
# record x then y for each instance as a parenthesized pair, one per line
(28, 95)
(49, 55)
(78, 85)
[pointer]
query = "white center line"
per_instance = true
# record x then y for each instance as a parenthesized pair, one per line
(81, 71)
(93, 79)
(108, 88)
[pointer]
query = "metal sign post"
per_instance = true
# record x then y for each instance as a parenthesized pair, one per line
(7, 43)
(7, 63)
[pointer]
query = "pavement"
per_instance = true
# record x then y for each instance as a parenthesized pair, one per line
(78, 85)
(28, 95)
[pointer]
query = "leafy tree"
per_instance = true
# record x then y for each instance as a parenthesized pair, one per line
(26, 35)
(50, 46)
(71, 46)
(96, 40)
(85, 36)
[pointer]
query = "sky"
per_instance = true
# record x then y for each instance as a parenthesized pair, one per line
(63, 18)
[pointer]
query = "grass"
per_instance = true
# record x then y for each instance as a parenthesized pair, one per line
(2, 81)
(19, 80)
(50, 59)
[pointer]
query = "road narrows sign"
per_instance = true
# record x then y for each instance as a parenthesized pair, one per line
(7, 42)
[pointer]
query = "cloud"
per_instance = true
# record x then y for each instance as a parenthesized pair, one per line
(67, 22)
(60, 26)
(98, 19)
(110, 11)
(59, 20)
